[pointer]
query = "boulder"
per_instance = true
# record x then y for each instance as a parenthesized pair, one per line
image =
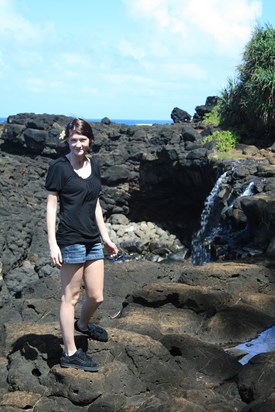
(180, 116)
(210, 103)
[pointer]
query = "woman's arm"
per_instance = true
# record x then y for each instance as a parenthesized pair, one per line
(51, 222)
(109, 245)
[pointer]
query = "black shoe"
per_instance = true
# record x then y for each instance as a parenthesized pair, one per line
(79, 360)
(94, 331)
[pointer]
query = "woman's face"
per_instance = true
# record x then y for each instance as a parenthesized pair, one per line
(78, 144)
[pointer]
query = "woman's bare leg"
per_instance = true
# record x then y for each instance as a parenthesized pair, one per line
(71, 279)
(94, 282)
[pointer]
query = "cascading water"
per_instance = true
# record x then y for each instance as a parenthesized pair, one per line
(214, 237)
(209, 226)
(249, 190)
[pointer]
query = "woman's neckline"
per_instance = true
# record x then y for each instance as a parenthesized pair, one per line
(87, 168)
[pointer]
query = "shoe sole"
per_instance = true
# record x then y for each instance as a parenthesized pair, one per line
(84, 368)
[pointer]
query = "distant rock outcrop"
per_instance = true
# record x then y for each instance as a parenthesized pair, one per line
(210, 103)
(180, 116)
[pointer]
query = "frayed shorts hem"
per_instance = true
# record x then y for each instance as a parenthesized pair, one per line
(80, 253)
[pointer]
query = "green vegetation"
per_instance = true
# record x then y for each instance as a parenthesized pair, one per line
(246, 106)
(228, 155)
(248, 101)
(213, 118)
(225, 140)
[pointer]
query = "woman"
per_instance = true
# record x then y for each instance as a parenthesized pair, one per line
(76, 248)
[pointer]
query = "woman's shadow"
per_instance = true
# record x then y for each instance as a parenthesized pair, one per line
(48, 346)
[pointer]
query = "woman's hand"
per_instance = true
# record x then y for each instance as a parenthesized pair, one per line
(56, 256)
(111, 248)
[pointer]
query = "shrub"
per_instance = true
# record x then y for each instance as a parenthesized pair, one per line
(225, 140)
(213, 118)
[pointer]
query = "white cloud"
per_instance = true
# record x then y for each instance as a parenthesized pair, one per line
(126, 48)
(16, 29)
(35, 84)
(41, 85)
(168, 51)
(186, 48)
(191, 70)
(229, 24)
(225, 24)
(23, 58)
(164, 12)
(74, 59)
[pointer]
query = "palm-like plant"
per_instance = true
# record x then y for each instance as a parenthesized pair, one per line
(230, 103)
(250, 99)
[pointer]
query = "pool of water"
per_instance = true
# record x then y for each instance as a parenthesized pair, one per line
(265, 342)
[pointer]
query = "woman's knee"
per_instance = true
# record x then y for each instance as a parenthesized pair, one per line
(71, 299)
(98, 298)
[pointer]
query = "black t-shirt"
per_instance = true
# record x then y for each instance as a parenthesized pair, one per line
(78, 198)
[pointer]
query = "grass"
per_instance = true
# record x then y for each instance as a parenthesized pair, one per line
(231, 154)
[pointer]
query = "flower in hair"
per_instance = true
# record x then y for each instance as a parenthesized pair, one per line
(62, 135)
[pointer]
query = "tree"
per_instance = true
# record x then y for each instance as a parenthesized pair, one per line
(248, 102)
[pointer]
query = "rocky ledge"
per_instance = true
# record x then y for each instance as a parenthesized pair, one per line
(169, 326)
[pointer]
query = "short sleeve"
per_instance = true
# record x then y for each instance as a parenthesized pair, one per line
(54, 179)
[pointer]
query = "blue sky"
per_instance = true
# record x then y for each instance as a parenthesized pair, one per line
(125, 59)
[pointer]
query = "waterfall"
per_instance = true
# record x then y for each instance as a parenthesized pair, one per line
(249, 190)
(209, 226)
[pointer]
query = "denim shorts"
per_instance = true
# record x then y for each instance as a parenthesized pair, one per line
(80, 253)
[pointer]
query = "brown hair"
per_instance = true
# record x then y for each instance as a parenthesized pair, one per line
(79, 126)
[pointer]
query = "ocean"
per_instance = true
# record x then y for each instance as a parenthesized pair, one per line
(129, 122)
